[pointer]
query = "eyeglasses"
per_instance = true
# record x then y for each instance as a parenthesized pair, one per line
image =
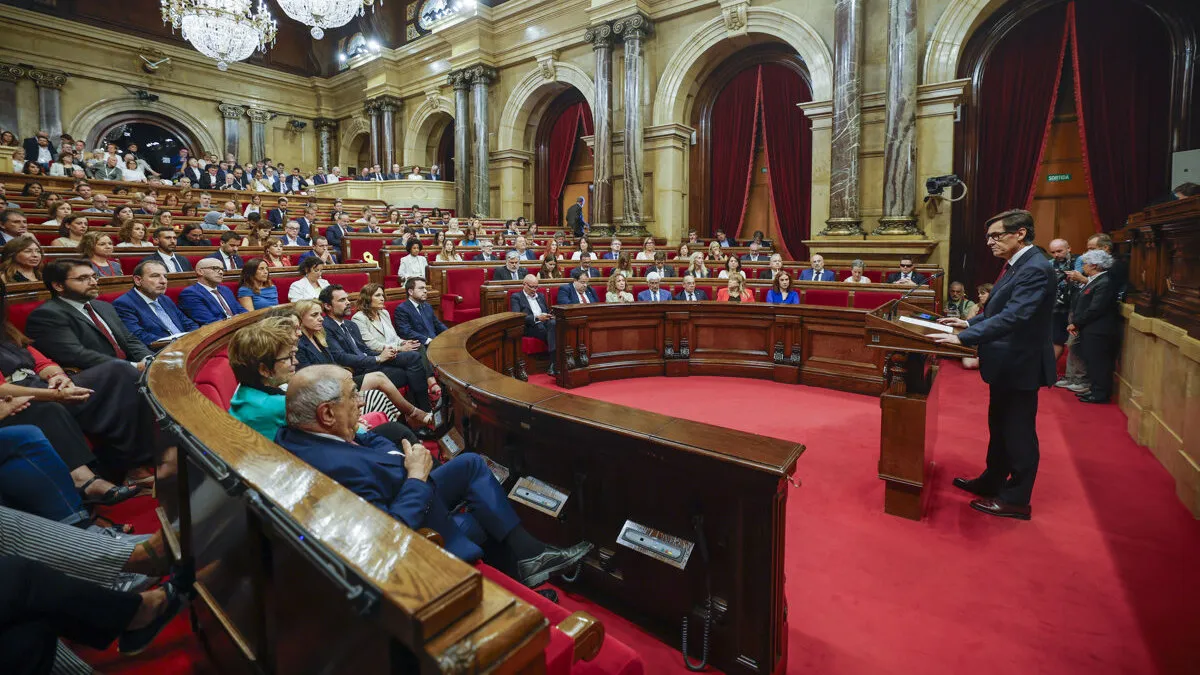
(289, 357)
(995, 236)
(906, 264)
(86, 278)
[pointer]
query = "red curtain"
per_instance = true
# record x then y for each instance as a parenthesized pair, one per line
(1123, 100)
(734, 122)
(563, 136)
(787, 136)
(1016, 106)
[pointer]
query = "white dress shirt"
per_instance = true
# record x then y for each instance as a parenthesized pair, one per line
(413, 266)
(535, 304)
(301, 289)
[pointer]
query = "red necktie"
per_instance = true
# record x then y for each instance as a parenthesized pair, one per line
(1003, 271)
(224, 306)
(120, 353)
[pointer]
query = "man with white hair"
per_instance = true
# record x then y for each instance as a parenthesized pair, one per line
(323, 407)
(654, 293)
(775, 268)
(1094, 320)
(334, 175)
(512, 270)
(539, 323)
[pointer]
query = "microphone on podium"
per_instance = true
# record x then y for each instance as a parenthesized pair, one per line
(896, 303)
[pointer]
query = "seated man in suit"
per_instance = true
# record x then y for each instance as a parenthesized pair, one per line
(75, 329)
(435, 173)
(193, 234)
(415, 318)
(521, 248)
(539, 323)
(278, 215)
(775, 268)
(906, 276)
(585, 266)
(512, 270)
(654, 293)
(308, 222)
(291, 235)
(578, 291)
(318, 177)
(660, 266)
(207, 301)
(322, 412)
(614, 250)
(337, 231)
(817, 272)
(211, 180)
(405, 366)
(723, 240)
(146, 310)
(295, 182)
(426, 226)
(754, 255)
(487, 251)
(166, 240)
(690, 293)
(227, 255)
(396, 173)
(320, 249)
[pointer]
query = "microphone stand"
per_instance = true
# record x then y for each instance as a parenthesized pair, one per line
(897, 301)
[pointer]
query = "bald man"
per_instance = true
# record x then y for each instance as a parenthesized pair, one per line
(323, 407)
(1063, 261)
(539, 323)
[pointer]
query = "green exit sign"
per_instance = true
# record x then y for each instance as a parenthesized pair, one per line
(1058, 177)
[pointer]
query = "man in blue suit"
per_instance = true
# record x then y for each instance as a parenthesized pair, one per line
(318, 178)
(817, 272)
(278, 215)
(322, 411)
(403, 366)
(654, 293)
(337, 231)
(521, 248)
(614, 251)
(690, 293)
(539, 323)
(308, 222)
(585, 266)
(227, 255)
(578, 291)
(145, 309)
(1016, 358)
(207, 301)
(415, 319)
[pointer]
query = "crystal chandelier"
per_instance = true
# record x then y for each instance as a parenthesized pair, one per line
(322, 14)
(225, 30)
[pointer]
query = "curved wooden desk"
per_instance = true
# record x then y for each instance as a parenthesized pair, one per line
(724, 491)
(298, 574)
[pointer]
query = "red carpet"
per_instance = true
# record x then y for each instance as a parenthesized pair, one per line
(1102, 580)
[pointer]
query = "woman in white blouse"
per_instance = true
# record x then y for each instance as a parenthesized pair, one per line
(132, 173)
(58, 214)
(309, 286)
(414, 264)
(647, 252)
(616, 290)
(732, 266)
(254, 206)
(447, 254)
(856, 274)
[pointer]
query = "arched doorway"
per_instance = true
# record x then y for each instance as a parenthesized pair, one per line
(360, 152)
(444, 156)
(158, 137)
(1073, 112)
(563, 163)
(731, 131)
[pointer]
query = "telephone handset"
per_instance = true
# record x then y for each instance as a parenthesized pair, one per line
(702, 544)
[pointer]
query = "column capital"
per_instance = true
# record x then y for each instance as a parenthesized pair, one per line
(633, 27)
(388, 104)
(322, 123)
(459, 79)
(11, 73)
(481, 74)
(601, 36)
(259, 115)
(48, 79)
(231, 111)
(371, 107)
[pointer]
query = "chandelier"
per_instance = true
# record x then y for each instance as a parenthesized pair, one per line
(225, 30)
(322, 14)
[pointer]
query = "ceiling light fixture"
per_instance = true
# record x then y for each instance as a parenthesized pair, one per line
(225, 30)
(324, 14)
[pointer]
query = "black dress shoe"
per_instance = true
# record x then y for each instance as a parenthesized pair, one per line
(995, 507)
(1092, 399)
(974, 486)
(536, 571)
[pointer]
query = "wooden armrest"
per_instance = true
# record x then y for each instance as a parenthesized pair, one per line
(432, 536)
(586, 631)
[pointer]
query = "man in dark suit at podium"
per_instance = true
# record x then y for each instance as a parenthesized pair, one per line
(1016, 358)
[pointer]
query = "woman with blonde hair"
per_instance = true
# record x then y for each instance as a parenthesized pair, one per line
(696, 267)
(452, 228)
(447, 253)
(20, 260)
(736, 290)
(624, 266)
(647, 252)
(97, 248)
(71, 230)
(617, 283)
(715, 253)
(133, 234)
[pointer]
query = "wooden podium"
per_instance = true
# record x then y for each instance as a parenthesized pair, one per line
(908, 406)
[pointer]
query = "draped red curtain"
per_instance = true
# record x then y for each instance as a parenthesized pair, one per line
(788, 140)
(1016, 105)
(734, 121)
(563, 136)
(1123, 100)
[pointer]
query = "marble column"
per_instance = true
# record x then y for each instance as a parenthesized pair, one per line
(372, 110)
(462, 129)
(900, 148)
(481, 184)
(633, 30)
(601, 37)
(326, 128)
(232, 115)
(9, 74)
(49, 85)
(387, 121)
(844, 218)
(258, 132)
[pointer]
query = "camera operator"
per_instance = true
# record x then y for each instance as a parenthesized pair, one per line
(1063, 262)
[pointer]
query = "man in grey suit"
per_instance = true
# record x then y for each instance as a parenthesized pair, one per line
(512, 270)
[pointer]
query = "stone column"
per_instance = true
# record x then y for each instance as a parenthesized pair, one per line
(899, 149)
(9, 74)
(372, 110)
(49, 85)
(326, 128)
(462, 128)
(387, 121)
(844, 218)
(633, 29)
(601, 38)
(258, 132)
(481, 184)
(233, 115)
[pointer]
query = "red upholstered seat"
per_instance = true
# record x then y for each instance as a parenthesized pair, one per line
(460, 299)
(18, 312)
(827, 298)
(110, 296)
(216, 381)
(359, 246)
(876, 276)
(44, 238)
(173, 293)
(351, 281)
(873, 299)
(194, 259)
